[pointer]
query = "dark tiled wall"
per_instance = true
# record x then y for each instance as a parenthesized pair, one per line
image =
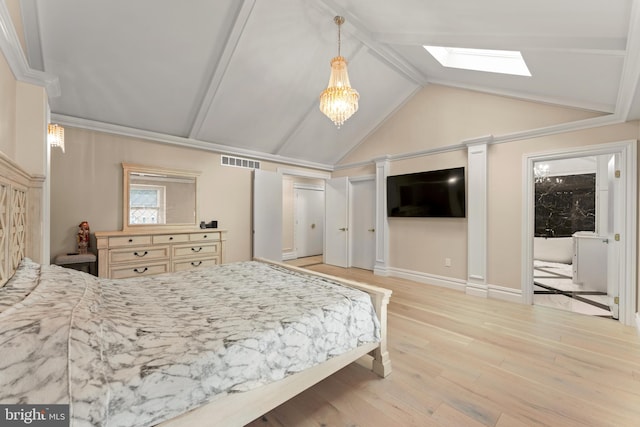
(565, 204)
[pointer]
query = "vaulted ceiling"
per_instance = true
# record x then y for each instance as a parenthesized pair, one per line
(245, 76)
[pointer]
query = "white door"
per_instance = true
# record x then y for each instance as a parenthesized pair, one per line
(309, 221)
(336, 222)
(613, 228)
(267, 215)
(363, 206)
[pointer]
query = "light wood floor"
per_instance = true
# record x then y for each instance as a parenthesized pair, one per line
(466, 361)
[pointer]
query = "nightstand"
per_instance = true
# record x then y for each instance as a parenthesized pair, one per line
(82, 262)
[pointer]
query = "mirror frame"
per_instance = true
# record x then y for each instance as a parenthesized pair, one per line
(127, 169)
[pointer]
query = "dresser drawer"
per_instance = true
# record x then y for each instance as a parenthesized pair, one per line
(189, 265)
(138, 255)
(115, 242)
(204, 236)
(138, 270)
(154, 251)
(196, 250)
(170, 238)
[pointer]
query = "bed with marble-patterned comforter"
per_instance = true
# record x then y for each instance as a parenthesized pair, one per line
(139, 351)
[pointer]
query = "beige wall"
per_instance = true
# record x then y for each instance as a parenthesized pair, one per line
(7, 110)
(23, 113)
(439, 117)
(86, 184)
(426, 242)
(31, 125)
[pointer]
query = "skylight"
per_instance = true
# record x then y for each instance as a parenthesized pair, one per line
(492, 61)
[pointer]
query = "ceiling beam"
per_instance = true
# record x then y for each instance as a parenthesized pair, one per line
(631, 67)
(244, 12)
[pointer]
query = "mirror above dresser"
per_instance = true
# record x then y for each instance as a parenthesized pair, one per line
(159, 198)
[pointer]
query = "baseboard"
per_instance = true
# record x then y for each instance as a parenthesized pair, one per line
(287, 256)
(429, 279)
(505, 294)
(477, 290)
(474, 289)
(380, 271)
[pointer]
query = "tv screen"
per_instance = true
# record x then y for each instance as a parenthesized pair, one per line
(438, 193)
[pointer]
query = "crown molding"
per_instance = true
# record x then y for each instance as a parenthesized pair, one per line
(13, 53)
(183, 142)
(610, 119)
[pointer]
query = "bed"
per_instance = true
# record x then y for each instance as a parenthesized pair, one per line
(216, 346)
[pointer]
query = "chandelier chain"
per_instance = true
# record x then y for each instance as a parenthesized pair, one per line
(339, 40)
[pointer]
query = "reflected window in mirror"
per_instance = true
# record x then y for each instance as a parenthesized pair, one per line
(146, 204)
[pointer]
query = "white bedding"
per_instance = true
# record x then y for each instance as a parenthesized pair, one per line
(139, 351)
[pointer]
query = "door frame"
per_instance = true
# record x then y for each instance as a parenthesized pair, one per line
(627, 206)
(302, 174)
(296, 212)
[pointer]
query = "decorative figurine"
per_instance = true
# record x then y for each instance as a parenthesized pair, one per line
(83, 237)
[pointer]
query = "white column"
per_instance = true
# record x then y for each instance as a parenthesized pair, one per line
(382, 225)
(477, 217)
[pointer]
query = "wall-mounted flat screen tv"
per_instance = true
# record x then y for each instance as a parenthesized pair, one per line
(439, 193)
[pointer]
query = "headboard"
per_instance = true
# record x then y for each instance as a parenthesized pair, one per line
(20, 217)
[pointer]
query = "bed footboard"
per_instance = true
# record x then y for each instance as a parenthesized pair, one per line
(380, 363)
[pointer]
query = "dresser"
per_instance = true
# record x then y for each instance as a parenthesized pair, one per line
(123, 254)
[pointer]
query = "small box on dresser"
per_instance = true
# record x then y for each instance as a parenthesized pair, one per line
(123, 254)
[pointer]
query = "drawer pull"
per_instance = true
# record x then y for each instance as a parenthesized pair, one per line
(137, 270)
(196, 264)
(130, 240)
(196, 250)
(171, 238)
(138, 255)
(205, 236)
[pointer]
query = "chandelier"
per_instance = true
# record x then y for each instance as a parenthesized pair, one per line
(339, 100)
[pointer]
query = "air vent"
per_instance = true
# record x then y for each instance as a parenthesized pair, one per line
(239, 162)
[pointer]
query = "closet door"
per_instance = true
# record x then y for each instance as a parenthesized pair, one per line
(336, 222)
(309, 221)
(363, 220)
(267, 215)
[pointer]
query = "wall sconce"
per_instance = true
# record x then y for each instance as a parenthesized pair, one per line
(55, 136)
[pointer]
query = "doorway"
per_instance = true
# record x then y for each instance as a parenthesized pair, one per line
(571, 204)
(606, 252)
(309, 220)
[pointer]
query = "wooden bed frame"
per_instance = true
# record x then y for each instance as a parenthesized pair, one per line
(21, 225)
